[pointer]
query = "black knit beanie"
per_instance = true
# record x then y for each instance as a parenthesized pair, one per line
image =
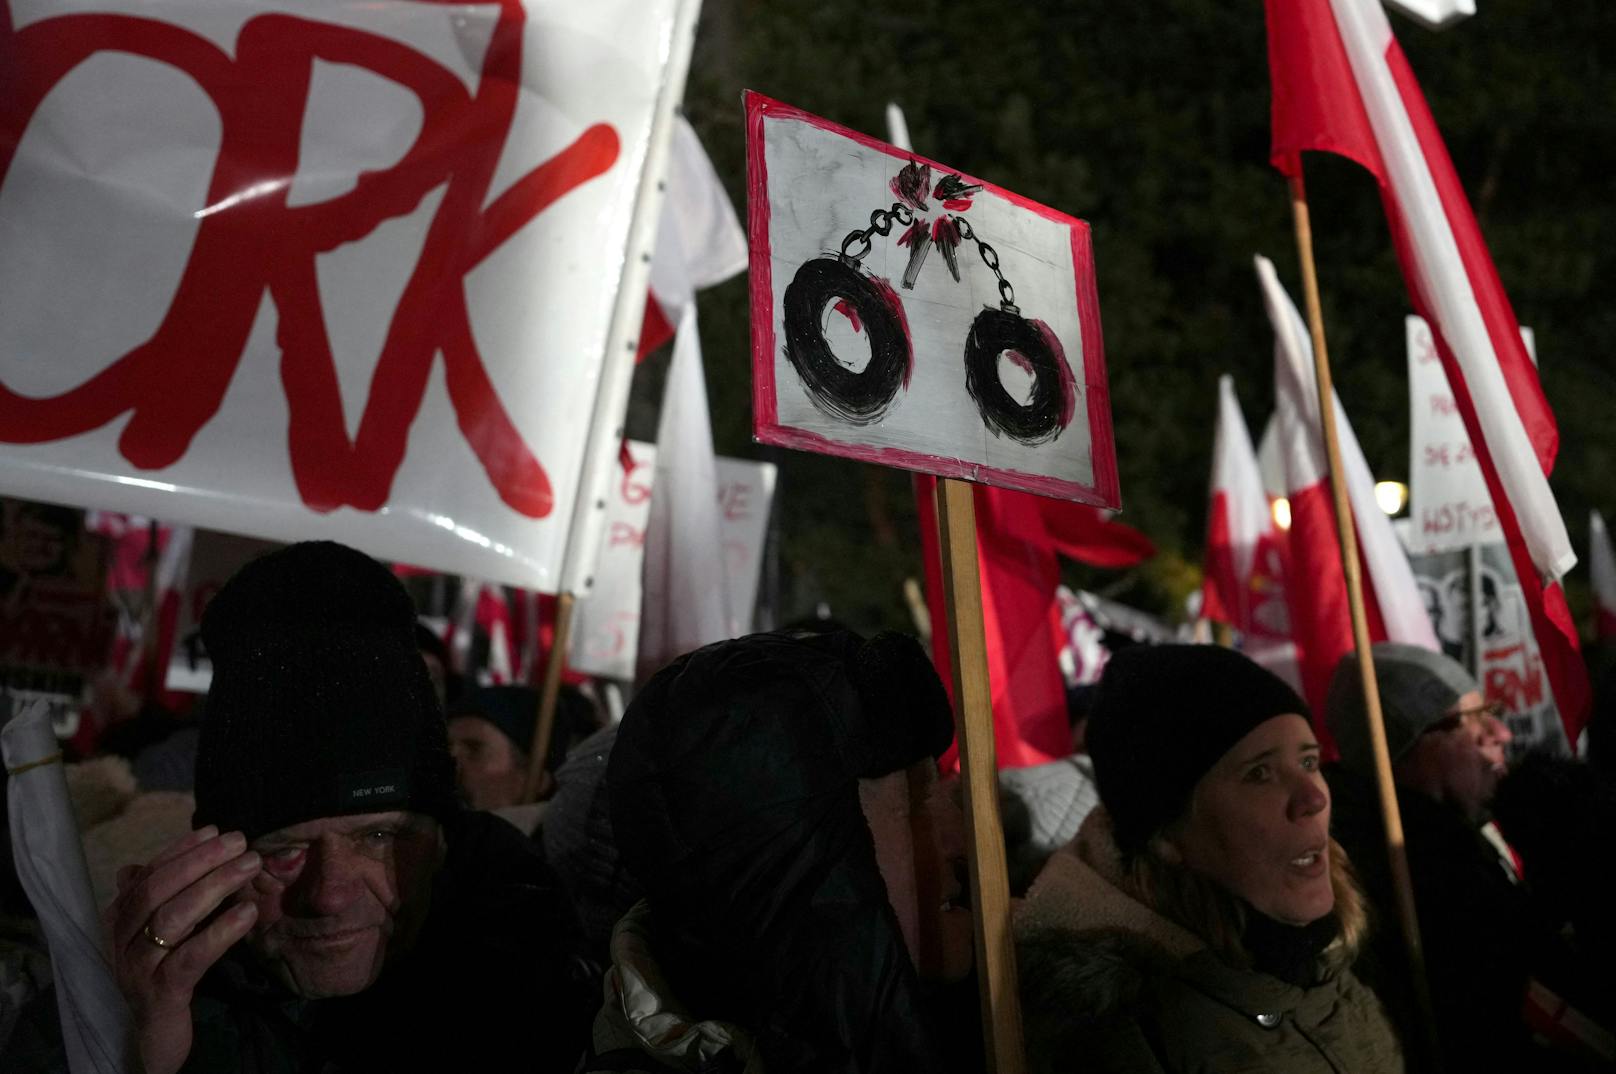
(321, 705)
(1164, 716)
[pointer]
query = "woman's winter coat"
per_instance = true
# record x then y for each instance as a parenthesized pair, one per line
(1110, 985)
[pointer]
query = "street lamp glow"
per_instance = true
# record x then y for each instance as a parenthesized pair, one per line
(1281, 508)
(1392, 496)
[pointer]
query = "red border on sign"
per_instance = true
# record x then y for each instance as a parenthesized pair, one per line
(766, 427)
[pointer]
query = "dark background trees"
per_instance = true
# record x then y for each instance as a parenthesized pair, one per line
(1150, 121)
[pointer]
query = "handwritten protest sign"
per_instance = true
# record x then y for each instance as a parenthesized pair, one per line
(1449, 506)
(906, 313)
(606, 631)
(299, 269)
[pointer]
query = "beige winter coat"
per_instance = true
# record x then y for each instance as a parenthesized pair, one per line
(1110, 985)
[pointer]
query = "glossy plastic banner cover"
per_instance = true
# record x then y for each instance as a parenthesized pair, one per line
(319, 269)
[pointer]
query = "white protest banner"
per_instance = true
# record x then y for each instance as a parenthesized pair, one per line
(301, 269)
(908, 314)
(607, 622)
(1448, 504)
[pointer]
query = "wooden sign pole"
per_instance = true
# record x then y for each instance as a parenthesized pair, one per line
(1396, 849)
(990, 885)
(538, 753)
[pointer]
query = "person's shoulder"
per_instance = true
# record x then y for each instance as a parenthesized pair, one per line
(486, 848)
(495, 881)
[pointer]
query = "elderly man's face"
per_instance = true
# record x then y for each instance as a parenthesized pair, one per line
(337, 897)
(1461, 758)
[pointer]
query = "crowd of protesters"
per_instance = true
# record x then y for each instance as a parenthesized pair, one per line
(759, 869)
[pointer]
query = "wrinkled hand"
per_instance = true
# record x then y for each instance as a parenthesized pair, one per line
(168, 899)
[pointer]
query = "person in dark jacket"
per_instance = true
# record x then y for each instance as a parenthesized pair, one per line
(1203, 920)
(776, 797)
(1478, 926)
(336, 909)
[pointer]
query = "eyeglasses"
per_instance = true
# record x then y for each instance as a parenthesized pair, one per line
(1455, 720)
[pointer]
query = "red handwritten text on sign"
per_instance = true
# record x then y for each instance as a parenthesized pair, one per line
(252, 240)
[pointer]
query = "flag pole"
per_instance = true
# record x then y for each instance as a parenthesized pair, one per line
(538, 751)
(1396, 849)
(990, 886)
(955, 511)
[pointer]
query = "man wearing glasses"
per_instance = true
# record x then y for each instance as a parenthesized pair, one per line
(1480, 933)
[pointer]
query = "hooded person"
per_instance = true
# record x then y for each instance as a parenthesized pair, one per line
(1203, 919)
(776, 797)
(1479, 927)
(336, 908)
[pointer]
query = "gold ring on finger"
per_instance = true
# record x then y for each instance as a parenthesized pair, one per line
(156, 939)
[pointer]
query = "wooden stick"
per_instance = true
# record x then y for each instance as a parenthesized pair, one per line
(990, 885)
(538, 753)
(1396, 849)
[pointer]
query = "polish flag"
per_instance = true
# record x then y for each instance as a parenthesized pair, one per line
(1602, 565)
(1018, 539)
(1319, 609)
(1238, 516)
(1342, 85)
(1244, 576)
(699, 240)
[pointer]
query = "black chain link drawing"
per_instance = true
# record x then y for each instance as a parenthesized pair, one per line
(840, 282)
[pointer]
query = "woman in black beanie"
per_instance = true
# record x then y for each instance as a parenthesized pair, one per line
(1203, 919)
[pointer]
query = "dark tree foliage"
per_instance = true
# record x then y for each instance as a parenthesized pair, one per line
(1150, 121)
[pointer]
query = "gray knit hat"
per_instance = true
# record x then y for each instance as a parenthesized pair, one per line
(1417, 688)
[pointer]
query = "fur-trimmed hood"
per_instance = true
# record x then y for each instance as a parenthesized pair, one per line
(1107, 979)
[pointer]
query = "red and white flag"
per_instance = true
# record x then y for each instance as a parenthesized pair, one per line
(1018, 539)
(1341, 84)
(1319, 609)
(1238, 516)
(1602, 566)
(684, 603)
(699, 240)
(1244, 577)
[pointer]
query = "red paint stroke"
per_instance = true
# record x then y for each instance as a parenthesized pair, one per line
(1102, 441)
(1068, 383)
(912, 232)
(890, 297)
(174, 383)
(760, 268)
(846, 310)
(957, 205)
(912, 184)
